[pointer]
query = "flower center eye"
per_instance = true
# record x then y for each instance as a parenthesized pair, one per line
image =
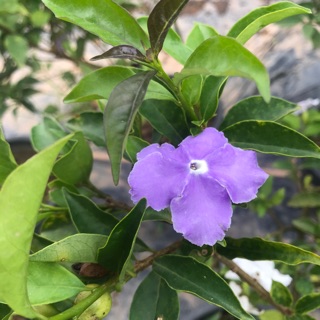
(198, 166)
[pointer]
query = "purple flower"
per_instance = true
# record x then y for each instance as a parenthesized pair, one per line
(198, 180)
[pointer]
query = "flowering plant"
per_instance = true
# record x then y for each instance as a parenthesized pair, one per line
(77, 245)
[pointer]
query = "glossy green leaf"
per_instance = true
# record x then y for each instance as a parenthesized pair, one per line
(77, 248)
(17, 47)
(109, 21)
(281, 294)
(257, 19)
(187, 274)
(154, 299)
(87, 217)
(121, 52)
(119, 247)
(308, 303)
(8, 163)
(119, 115)
(255, 108)
(223, 56)
(191, 89)
(30, 180)
(306, 199)
(161, 19)
(50, 282)
(198, 34)
(91, 125)
(271, 137)
(134, 145)
(259, 249)
(75, 166)
(167, 118)
(46, 133)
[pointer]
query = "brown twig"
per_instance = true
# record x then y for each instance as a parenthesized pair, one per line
(264, 294)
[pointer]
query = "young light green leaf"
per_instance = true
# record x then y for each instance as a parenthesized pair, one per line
(259, 249)
(119, 115)
(119, 247)
(121, 52)
(20, 199)
(50, 282)
(8, 163)
(271, 137)
(76, 248)
(212, 58)
(154, 299)
(17, 47)
(187, 274)
(167, 118)
(281, 294)
(257, 19)
(308, 303)
(255, 108)
(198, 34)
(86, 216)
(161, 19)
(106, 19)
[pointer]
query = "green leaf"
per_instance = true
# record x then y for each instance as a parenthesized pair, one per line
(75, 166)
(198, 34)
(308, 303)
(134, 145)
(121, 52)
(161, 19)
(50, 282)
(255, 108)
(223, 56)
(187, 274)
(306, 199)
(167, 118)
(119, 115)
(153, 215)
(272, 315)
(154, 299)
(91, 125)
(86, 216)
(118, 249)
(104, 18)
(77, 248)
(259, 249)
(257, 19)
(307, 225)
(8, 163)
(17, 47)
(271, 137)
(191, 89)
(20, 199)
(281, 294)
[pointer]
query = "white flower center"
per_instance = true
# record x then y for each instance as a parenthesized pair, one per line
(198, 166)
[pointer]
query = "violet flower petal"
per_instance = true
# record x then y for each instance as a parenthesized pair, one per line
(203, 212)
(238, 171)
(165, 149)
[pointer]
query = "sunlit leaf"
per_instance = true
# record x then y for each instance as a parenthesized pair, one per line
(200, 33)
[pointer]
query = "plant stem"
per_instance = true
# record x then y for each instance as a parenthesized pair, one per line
(264, 294)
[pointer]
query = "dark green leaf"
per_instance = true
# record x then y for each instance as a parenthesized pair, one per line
(187, 274)
(118, 249)
(87, 217)
(198, 34)
(121, 52)
(308, 303)
(4, 311)
(299, 317)
(30, 180)
(154, 299)
(104, 18)
(91, 125)
(77, 248)
(281, 294)
(167, 118)
(271, 137)
(259, 249)
(134, 145)
(255, 108)
(257, 19)
(212, 58)
(163, 215)
(56, 192)
(119, 115)
(49, 282)
(160, 21)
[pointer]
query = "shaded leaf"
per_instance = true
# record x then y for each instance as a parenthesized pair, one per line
(255, 108)
(161, 19)
(154, 299)
(119, 115)
(133, 146)
(186, 274)
(271, 137)
(281, 294)
(259, 249)
(162, 215)
(122, 52)
(307, 225)
(15, 238)
(200, 33)
(308, 303)
(109, 21)
(306, 199)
